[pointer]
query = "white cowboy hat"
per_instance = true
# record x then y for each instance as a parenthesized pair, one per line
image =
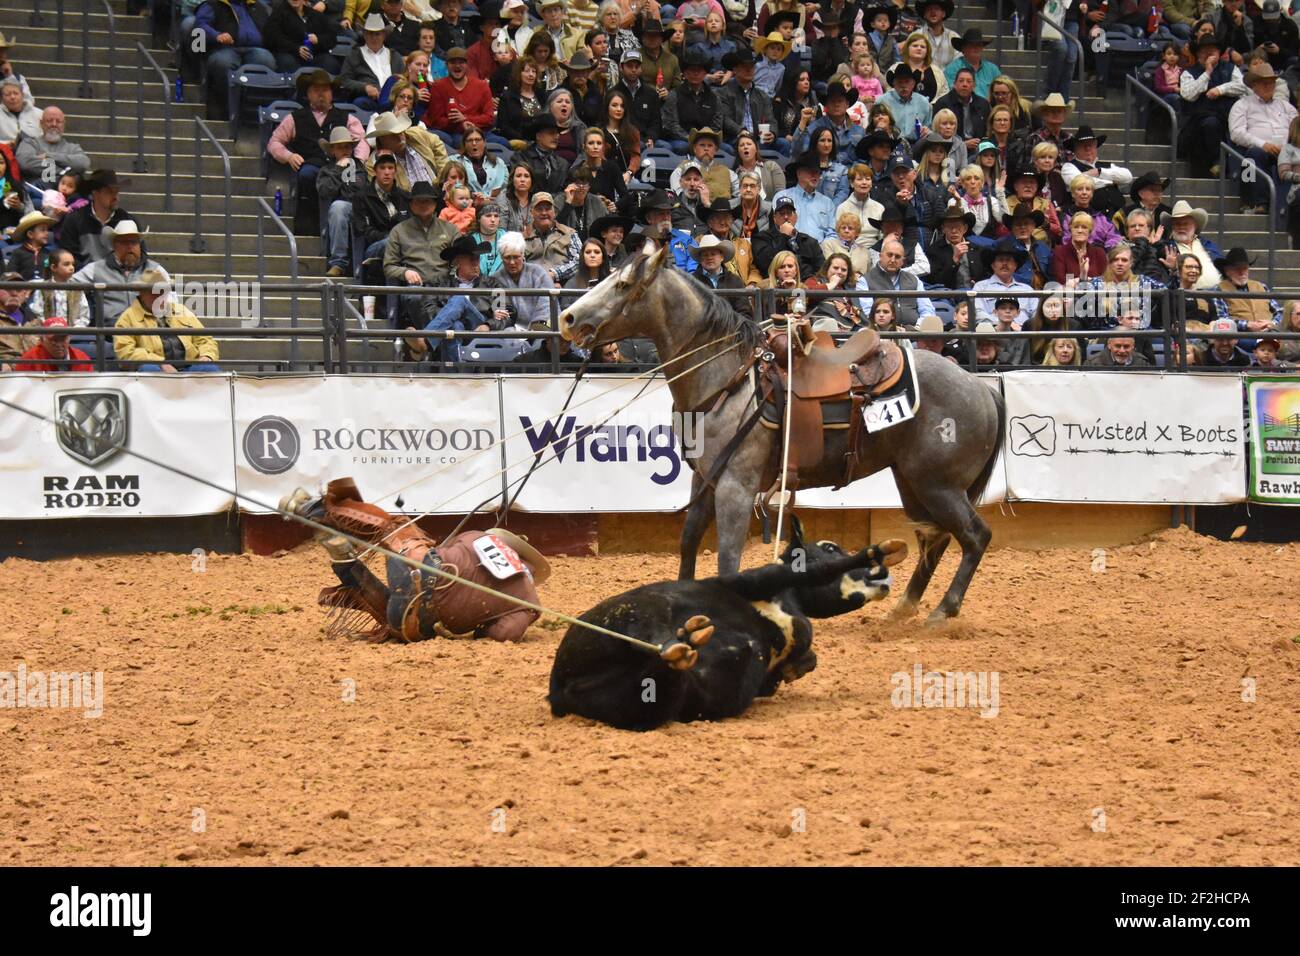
(387, 124)
(540, 567)
(1181, 210)
(374, 24)
(1054, 101)
(338, 135)
(124, 229)
(711, 241)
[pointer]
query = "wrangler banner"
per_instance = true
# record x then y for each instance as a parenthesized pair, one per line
(1273, 403)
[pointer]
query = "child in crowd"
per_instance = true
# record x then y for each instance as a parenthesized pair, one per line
(1266, 356)
(989, 208)
(1168, 74)
(459, 210)
(866, 78)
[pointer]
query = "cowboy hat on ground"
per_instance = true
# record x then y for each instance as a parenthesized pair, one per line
(537, 564)
(712, 242)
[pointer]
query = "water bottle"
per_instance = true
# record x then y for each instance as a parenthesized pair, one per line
(917, 128)
(279, 201)
(180, 90)
(306, 41)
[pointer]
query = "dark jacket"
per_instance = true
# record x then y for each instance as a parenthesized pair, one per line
(729, 280)
(511, 119)
(549, 169)
(827, 55)
(224, 19)
(1282, 31)
(356, 73)
(644, 112)
(979, 111)
(340, 182)
(82, 233)
(285, 30)
(687, 109)
(1146, 261)
(771, 241)
(447, 36)
(403, 36)
(370, 218)
(733, 110)
(944, 270)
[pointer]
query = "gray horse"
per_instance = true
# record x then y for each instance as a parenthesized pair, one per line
(941, 459)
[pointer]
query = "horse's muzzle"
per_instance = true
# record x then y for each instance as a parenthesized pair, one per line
(578, 331)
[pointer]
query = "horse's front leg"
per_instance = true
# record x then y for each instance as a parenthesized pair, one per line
(733, 505)
(698, 517)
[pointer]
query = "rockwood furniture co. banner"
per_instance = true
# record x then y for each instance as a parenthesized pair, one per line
(1273, 406)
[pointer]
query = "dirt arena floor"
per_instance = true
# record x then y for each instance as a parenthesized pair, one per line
(1121, 734)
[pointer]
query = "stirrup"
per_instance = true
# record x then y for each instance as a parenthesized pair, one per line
(340, 548)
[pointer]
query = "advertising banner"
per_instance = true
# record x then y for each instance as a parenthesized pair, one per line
(1274, 408)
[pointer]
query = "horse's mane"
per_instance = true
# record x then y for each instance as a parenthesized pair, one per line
(719, 318)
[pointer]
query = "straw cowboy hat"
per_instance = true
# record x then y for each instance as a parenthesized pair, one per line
(762, 43)
(338, 135)
(1182, 209)
(6, 43)
(540, 567)
(704, 132)
(374, 24)
(711, 241)
(126, 229)
(1054, 101)
(388, 124)
(1259, 74)
(29, 220)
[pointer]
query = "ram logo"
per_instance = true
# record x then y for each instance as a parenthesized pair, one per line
(91, 423)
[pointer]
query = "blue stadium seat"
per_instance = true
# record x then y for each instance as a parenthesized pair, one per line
(252, 87)
(772, 154)
(477, 352)
(343, 45)
(501, 152)
(268, 118)
(1094, 348)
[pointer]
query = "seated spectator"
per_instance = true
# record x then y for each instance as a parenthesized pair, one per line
(458, 101)
(541, 50)
(298, 35)
(1003, 91)
(1251, 315)
(462, 311)
(7, 69)
(1022, 224)
(1078, 259)
(746, 108)
(296, 141)
(479, 58)
(16, 203)
(1148, 194)
(82, 230)
(18, 118)
(1050, 316)
(369, 65)
(770, 70)
(770, 176)
(70, 304)
(934, 340)
(413, 257)
(782, 233)
(713, 254)
(988, 206)
(606, 177)
(517, 273)
(379, 206)
(587, 92)
(549, 244)
(233, 29)
(879, 20)
(1120, 352)
(716, 46)
(1278, 35)
(1209, 89)
(796, 106)
(1119, 290)
(1084, 200)
(692, 105)
(453, 29)
(403, 31)
(689, 212)
(954, 255)
(421, 156)
(834, 181)
(593, 266)
(986, 348)
(848, 241)
(611, 231)
(579, 206)
(1265, 356)
(1196, 310)
(1052, 113)
(38, 157)
(489, 233)
(157, 307)
(1061, 353)
(1153, 259)
(565, 37)
(840, 313)
(12, 316)
(53, 353)
(884, 315)
(721, 181)
(898, 223)
(971, 47)
(1027, 189)
(63, 199)
(783, 276)
(967, 105)
(1223, 352)
(125, 263)
(1232, 29)
(337, 186)
(1259, 124)
(459, 207)
(888, 275)
(1108, 179)
(1183, 227)
(1006, 318)
(516, 209)
(720, 223)
(658, 214)
(815, 212)
(521, 102)
(753, 214)
(1002, 261)
(485, 172)
(1289, 350)
(31, 233)
(549, 169)
(910, 109)
(1168, 76)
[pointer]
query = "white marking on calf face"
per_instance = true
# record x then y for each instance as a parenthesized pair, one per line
(870, 590)
(784, 621)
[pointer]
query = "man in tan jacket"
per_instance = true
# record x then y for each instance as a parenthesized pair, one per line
(421, 156)
(156, 307)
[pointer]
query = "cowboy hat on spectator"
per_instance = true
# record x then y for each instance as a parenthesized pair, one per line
(1006, 247)
(901, 69)
(762, 43)
(1146, 181)
(948, 7)
(1024, 211)
(1236, 256)
(126, 229)
(6, 43)
(1054, 101)
(893, 213)
(954, 212)
(806, 160)
(710, 241)
(922, 145)
(972, 37)
(388, 124)
(101, 179)
(316, 78)
(1259, 74)
(871, 12)
(704, 132)
(605, 223)
(579, 61)
(1182, 209)
(29, 220)
(877, 137)
(374, 24)
(464, 246)
(1085, 135)
(338, 135)
(779, 17)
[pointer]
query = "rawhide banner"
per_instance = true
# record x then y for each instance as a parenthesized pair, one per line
(1273, 404)
(1124, 437)
(75, 464)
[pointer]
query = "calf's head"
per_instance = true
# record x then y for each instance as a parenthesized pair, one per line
(868, 581)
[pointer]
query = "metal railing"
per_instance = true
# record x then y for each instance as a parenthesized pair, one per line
(1260, 174)
(84, 89)
(1066, 37)
(141, 165)
(112, 59)
(198, 242)
(263, 212)
(1132, 83)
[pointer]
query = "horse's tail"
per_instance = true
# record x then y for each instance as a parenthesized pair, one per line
(981, 482)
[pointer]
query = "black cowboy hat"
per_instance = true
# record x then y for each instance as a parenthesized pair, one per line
(922, 145)
(741, 57)
(955, 211)
(652, 26)
(658, 199)
(598, 227)
(1236, 257)
(900, 67)
(877, 137)
(1040, 178)
(848, 15)
(717, 206)
(919, 7)
(465, 246)
(1145, 180)
(579, 61)
(101, 179)
(423, 190)
(1006, 247)
(1085, 134)
(972, 37)
(805, 160)
(846, 90)
(695, 58)
(1024, 211)
(776, 19)
(489, 10)
(894, 213)
(542, 121)
(870, 13)
(1206, 41)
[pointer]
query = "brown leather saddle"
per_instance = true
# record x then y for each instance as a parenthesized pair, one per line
(829, 386)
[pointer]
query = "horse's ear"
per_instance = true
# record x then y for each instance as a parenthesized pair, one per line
(656, 263)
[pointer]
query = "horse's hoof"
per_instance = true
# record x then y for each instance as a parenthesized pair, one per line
(680, 656)
(903, 611)
(938, 618)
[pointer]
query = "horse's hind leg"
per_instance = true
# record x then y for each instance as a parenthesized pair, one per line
(733, 506)
(698, 517)
(931, 541)
(952, 511)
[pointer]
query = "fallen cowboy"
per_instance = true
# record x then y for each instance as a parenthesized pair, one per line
(723, 641)
(416, 605)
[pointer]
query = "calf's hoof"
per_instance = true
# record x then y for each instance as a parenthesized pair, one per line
(697, 630)
(680, 657)
(891, 552)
